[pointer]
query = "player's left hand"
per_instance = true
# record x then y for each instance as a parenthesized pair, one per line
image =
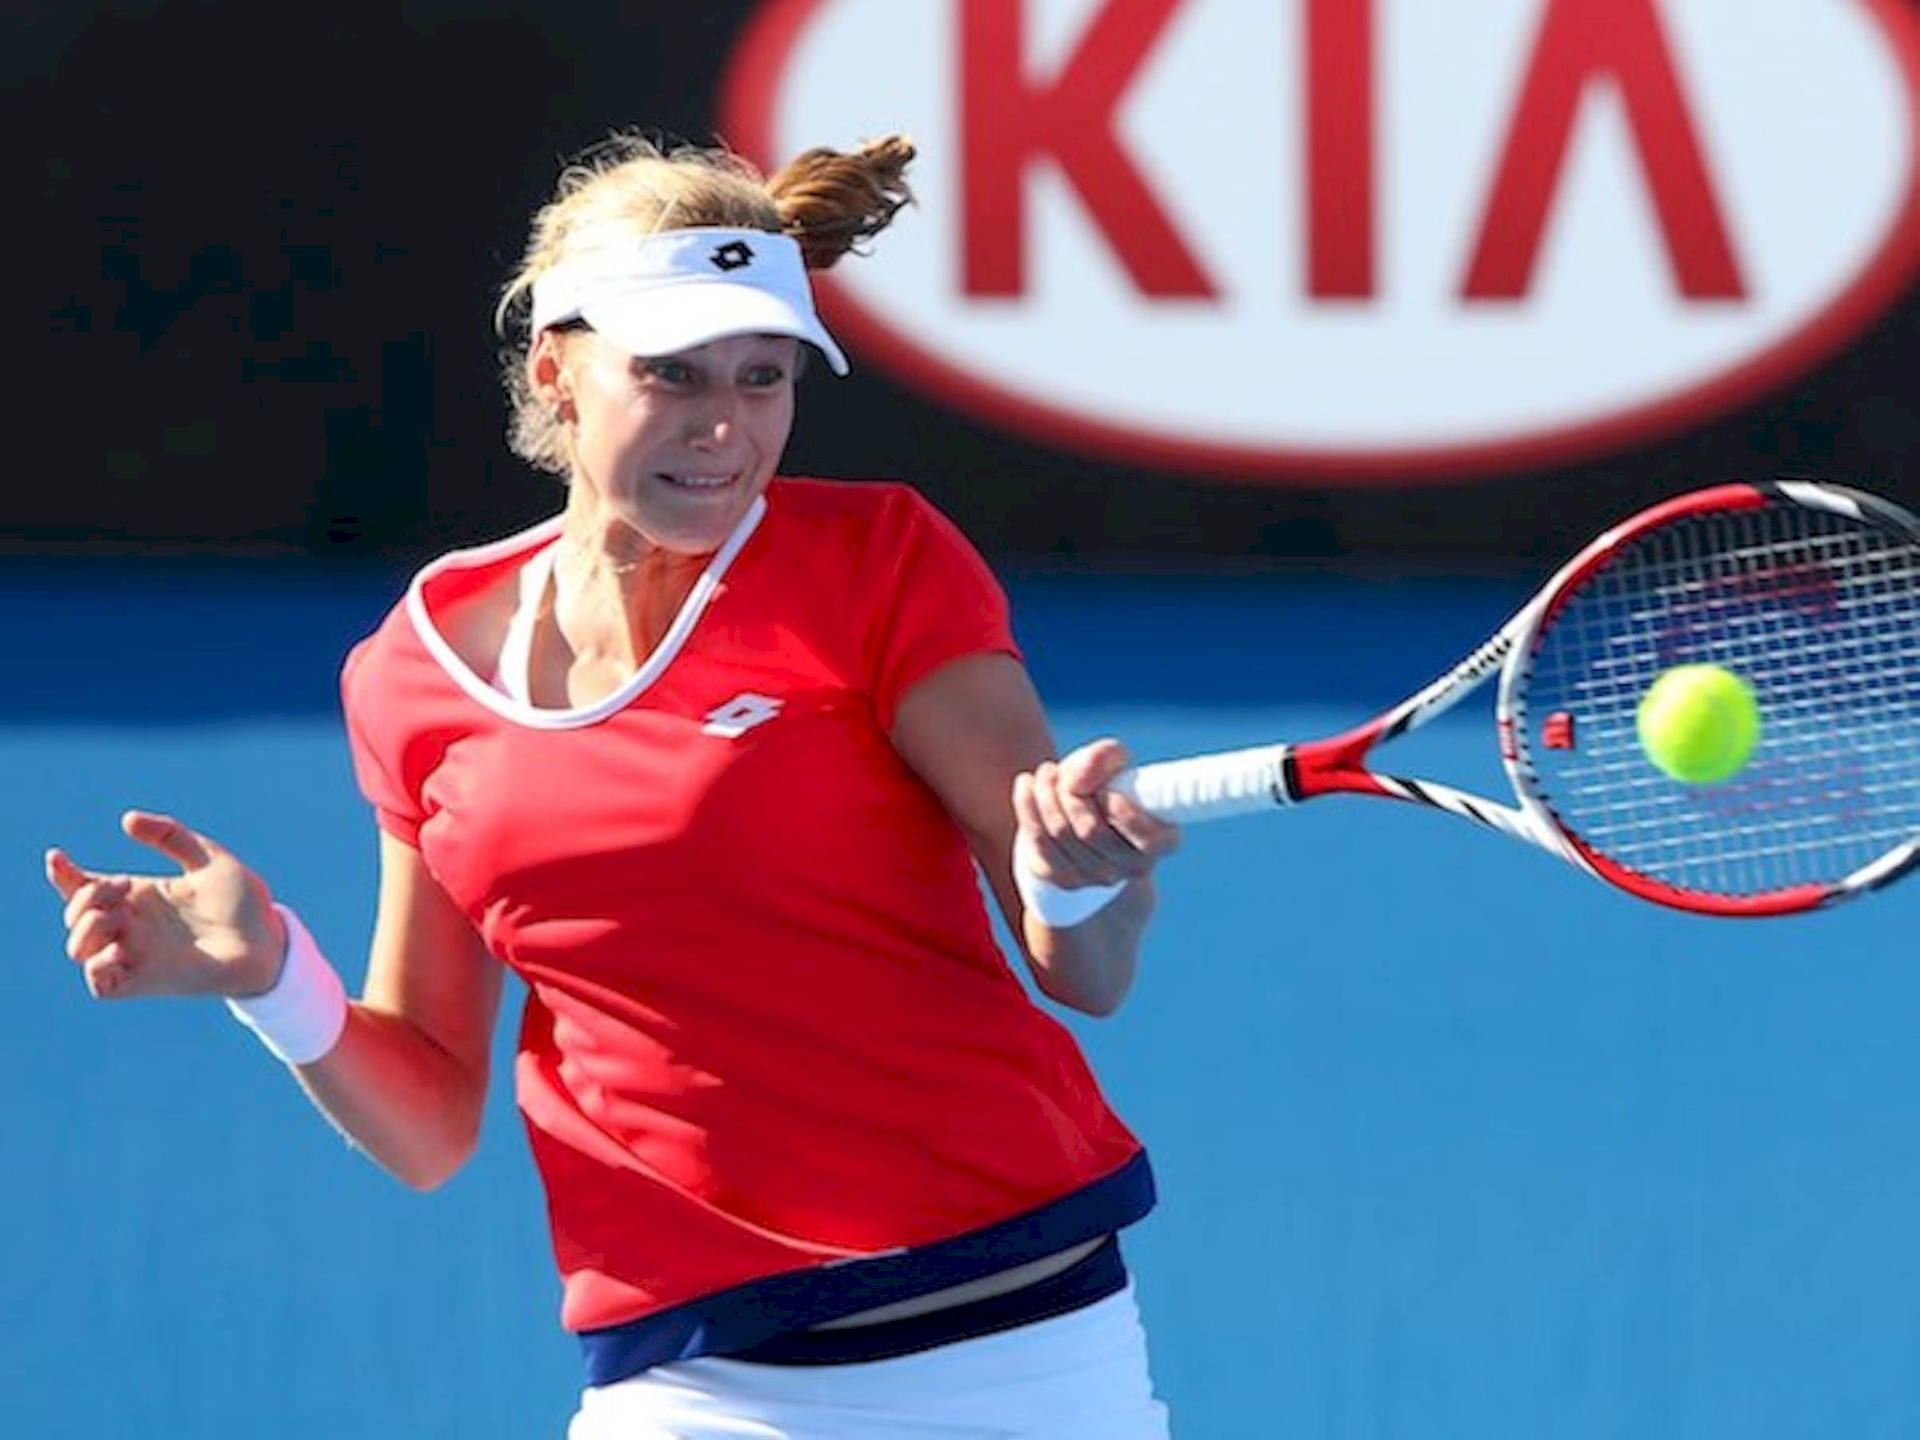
(1074, 831)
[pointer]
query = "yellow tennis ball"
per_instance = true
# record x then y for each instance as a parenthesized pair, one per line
(1698, 723)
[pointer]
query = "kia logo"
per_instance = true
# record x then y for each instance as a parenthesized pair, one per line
(1357, 239)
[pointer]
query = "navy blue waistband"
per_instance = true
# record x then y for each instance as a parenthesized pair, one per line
(1095, 1276)
(749, 1315)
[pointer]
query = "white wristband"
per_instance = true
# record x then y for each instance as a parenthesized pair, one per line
(301, 1017)
(1058, 907)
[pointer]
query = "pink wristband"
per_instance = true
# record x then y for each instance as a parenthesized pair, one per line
(301, 1017)
(1056, 905)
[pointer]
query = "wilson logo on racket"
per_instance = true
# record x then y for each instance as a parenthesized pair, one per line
(1809, 593)
(1801, 599)
(1353, 238)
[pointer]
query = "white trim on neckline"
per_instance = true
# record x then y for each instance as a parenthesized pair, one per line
(538, 537)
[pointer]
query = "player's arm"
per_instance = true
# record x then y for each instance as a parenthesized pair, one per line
(975, 732)
(407, 1076)
(407, 1081)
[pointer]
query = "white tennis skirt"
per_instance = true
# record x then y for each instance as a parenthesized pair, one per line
(1078, 1376)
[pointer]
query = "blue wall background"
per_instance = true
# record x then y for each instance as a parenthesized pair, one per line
(1453, 1140)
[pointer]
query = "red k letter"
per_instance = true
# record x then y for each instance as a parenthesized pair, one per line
(1580, 41)
(1340, 149)
(1007, 122)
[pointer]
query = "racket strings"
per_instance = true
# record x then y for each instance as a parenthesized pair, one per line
(1820, 615)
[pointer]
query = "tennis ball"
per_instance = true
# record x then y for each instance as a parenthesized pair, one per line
(1698, 723)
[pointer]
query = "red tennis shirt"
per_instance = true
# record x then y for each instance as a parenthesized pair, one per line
(768, 1031)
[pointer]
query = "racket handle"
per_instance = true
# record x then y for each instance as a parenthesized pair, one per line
(1210, 787)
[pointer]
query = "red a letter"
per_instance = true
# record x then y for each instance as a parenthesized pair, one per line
(1580, 41)
(1006, 123)
(1340, 149)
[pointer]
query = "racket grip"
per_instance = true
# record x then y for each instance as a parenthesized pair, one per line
(1210, 787)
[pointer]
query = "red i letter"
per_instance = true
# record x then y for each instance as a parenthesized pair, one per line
(1008, 122)
(1339, 128)
(1580, 41)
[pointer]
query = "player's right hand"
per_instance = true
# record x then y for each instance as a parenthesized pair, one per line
(210, 930)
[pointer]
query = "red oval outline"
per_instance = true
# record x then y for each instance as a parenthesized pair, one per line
(750, 79)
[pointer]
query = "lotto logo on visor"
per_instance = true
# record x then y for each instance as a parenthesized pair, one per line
(663, 293)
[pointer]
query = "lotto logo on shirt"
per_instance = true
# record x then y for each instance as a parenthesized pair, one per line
(740, 714)
(1353, 239)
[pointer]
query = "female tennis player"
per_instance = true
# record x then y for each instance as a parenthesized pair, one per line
(709, 759)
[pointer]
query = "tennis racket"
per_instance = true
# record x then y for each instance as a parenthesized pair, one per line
(1809, 592)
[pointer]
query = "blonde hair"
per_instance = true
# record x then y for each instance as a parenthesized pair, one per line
(829, 201)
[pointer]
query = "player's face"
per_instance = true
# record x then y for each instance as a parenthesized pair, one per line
(678, 446)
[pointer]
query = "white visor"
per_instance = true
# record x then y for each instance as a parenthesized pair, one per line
(670, 291)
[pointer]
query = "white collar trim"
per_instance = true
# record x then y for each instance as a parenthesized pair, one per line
(528, 542)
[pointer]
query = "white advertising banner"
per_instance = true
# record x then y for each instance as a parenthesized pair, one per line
(1366, 240)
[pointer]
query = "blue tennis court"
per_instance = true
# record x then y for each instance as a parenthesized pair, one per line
(1452, 1140)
